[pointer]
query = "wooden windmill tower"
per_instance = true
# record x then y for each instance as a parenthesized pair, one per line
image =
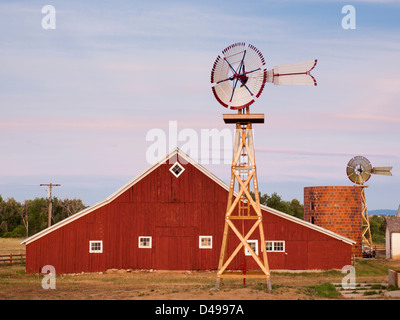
(239, 77)
(359, 170)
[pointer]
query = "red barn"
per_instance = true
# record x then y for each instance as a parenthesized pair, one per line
(171, 217)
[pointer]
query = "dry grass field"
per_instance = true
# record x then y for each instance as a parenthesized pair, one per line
(162, 285)
(11, 245)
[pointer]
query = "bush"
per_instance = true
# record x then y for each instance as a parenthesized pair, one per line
(18, 232)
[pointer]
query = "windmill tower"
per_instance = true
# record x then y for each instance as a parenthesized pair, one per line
(239, 77)
(359, 170)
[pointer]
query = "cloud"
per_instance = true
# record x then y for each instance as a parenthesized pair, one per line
(374, 118)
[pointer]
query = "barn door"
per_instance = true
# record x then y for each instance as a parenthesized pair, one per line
(174, 253)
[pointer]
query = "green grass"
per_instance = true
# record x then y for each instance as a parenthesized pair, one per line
(372, 268)
(310, 274)
(325, 290)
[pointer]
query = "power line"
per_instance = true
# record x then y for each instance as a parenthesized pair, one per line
(50, 185)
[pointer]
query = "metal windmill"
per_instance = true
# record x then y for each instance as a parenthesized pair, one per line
(239, 77)
(359, 171)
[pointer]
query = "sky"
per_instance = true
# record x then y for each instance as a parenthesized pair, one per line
(78, 102)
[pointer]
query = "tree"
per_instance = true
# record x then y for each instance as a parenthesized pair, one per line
(65, 208)
(9, 218)
(377, 226)
(274, 201)
(296, 209)
(37, 211)
(23, 213)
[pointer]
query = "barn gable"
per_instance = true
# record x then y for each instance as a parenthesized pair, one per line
(174, 220)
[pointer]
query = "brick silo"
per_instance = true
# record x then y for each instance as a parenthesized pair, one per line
(336, 208)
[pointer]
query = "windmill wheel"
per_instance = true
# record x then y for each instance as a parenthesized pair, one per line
(239, 76)
(359, 169)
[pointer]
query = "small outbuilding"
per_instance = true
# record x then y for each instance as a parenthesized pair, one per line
(171, 217)
(392, 224)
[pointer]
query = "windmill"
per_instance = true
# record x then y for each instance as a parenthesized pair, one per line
(239, 77)
(359, 170)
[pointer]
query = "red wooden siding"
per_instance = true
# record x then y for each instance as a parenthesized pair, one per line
(174, 212)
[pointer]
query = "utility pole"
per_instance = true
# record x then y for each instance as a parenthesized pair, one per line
(50, 185)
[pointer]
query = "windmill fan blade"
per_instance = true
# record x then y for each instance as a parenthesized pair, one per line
(382, 170)
(360, 179)
(349, 170)
(365, 176)
(353, 177)
(293, 74)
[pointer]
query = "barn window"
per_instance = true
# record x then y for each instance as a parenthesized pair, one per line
(275, 246)
(254, 245)
(177, 169)
(144, 242)
(96, 246)
(205, 242)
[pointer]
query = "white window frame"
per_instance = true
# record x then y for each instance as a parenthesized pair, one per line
(273, 242)
(91, 250)
(247, 252)
(144, 247)
(202, 246)
(176, 175)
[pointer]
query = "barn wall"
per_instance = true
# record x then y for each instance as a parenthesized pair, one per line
(305, 248)
(174, 212)
(395, 245)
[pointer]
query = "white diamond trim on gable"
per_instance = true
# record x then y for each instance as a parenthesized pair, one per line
(177, 169)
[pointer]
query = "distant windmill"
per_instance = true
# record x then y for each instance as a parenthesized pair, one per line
(359, 170)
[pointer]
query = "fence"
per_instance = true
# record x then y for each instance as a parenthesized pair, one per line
(380, 247)
(12, 258)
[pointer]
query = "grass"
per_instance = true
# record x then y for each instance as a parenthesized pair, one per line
(325, 290)
(368, 268)
(11, 245)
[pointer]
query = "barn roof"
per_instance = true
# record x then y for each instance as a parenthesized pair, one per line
(180, 153)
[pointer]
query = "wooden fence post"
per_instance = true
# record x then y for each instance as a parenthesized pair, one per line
(9, 258)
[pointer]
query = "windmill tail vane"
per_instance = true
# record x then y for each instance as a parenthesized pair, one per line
(385, 171)
(297, 73)
(240, 75)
